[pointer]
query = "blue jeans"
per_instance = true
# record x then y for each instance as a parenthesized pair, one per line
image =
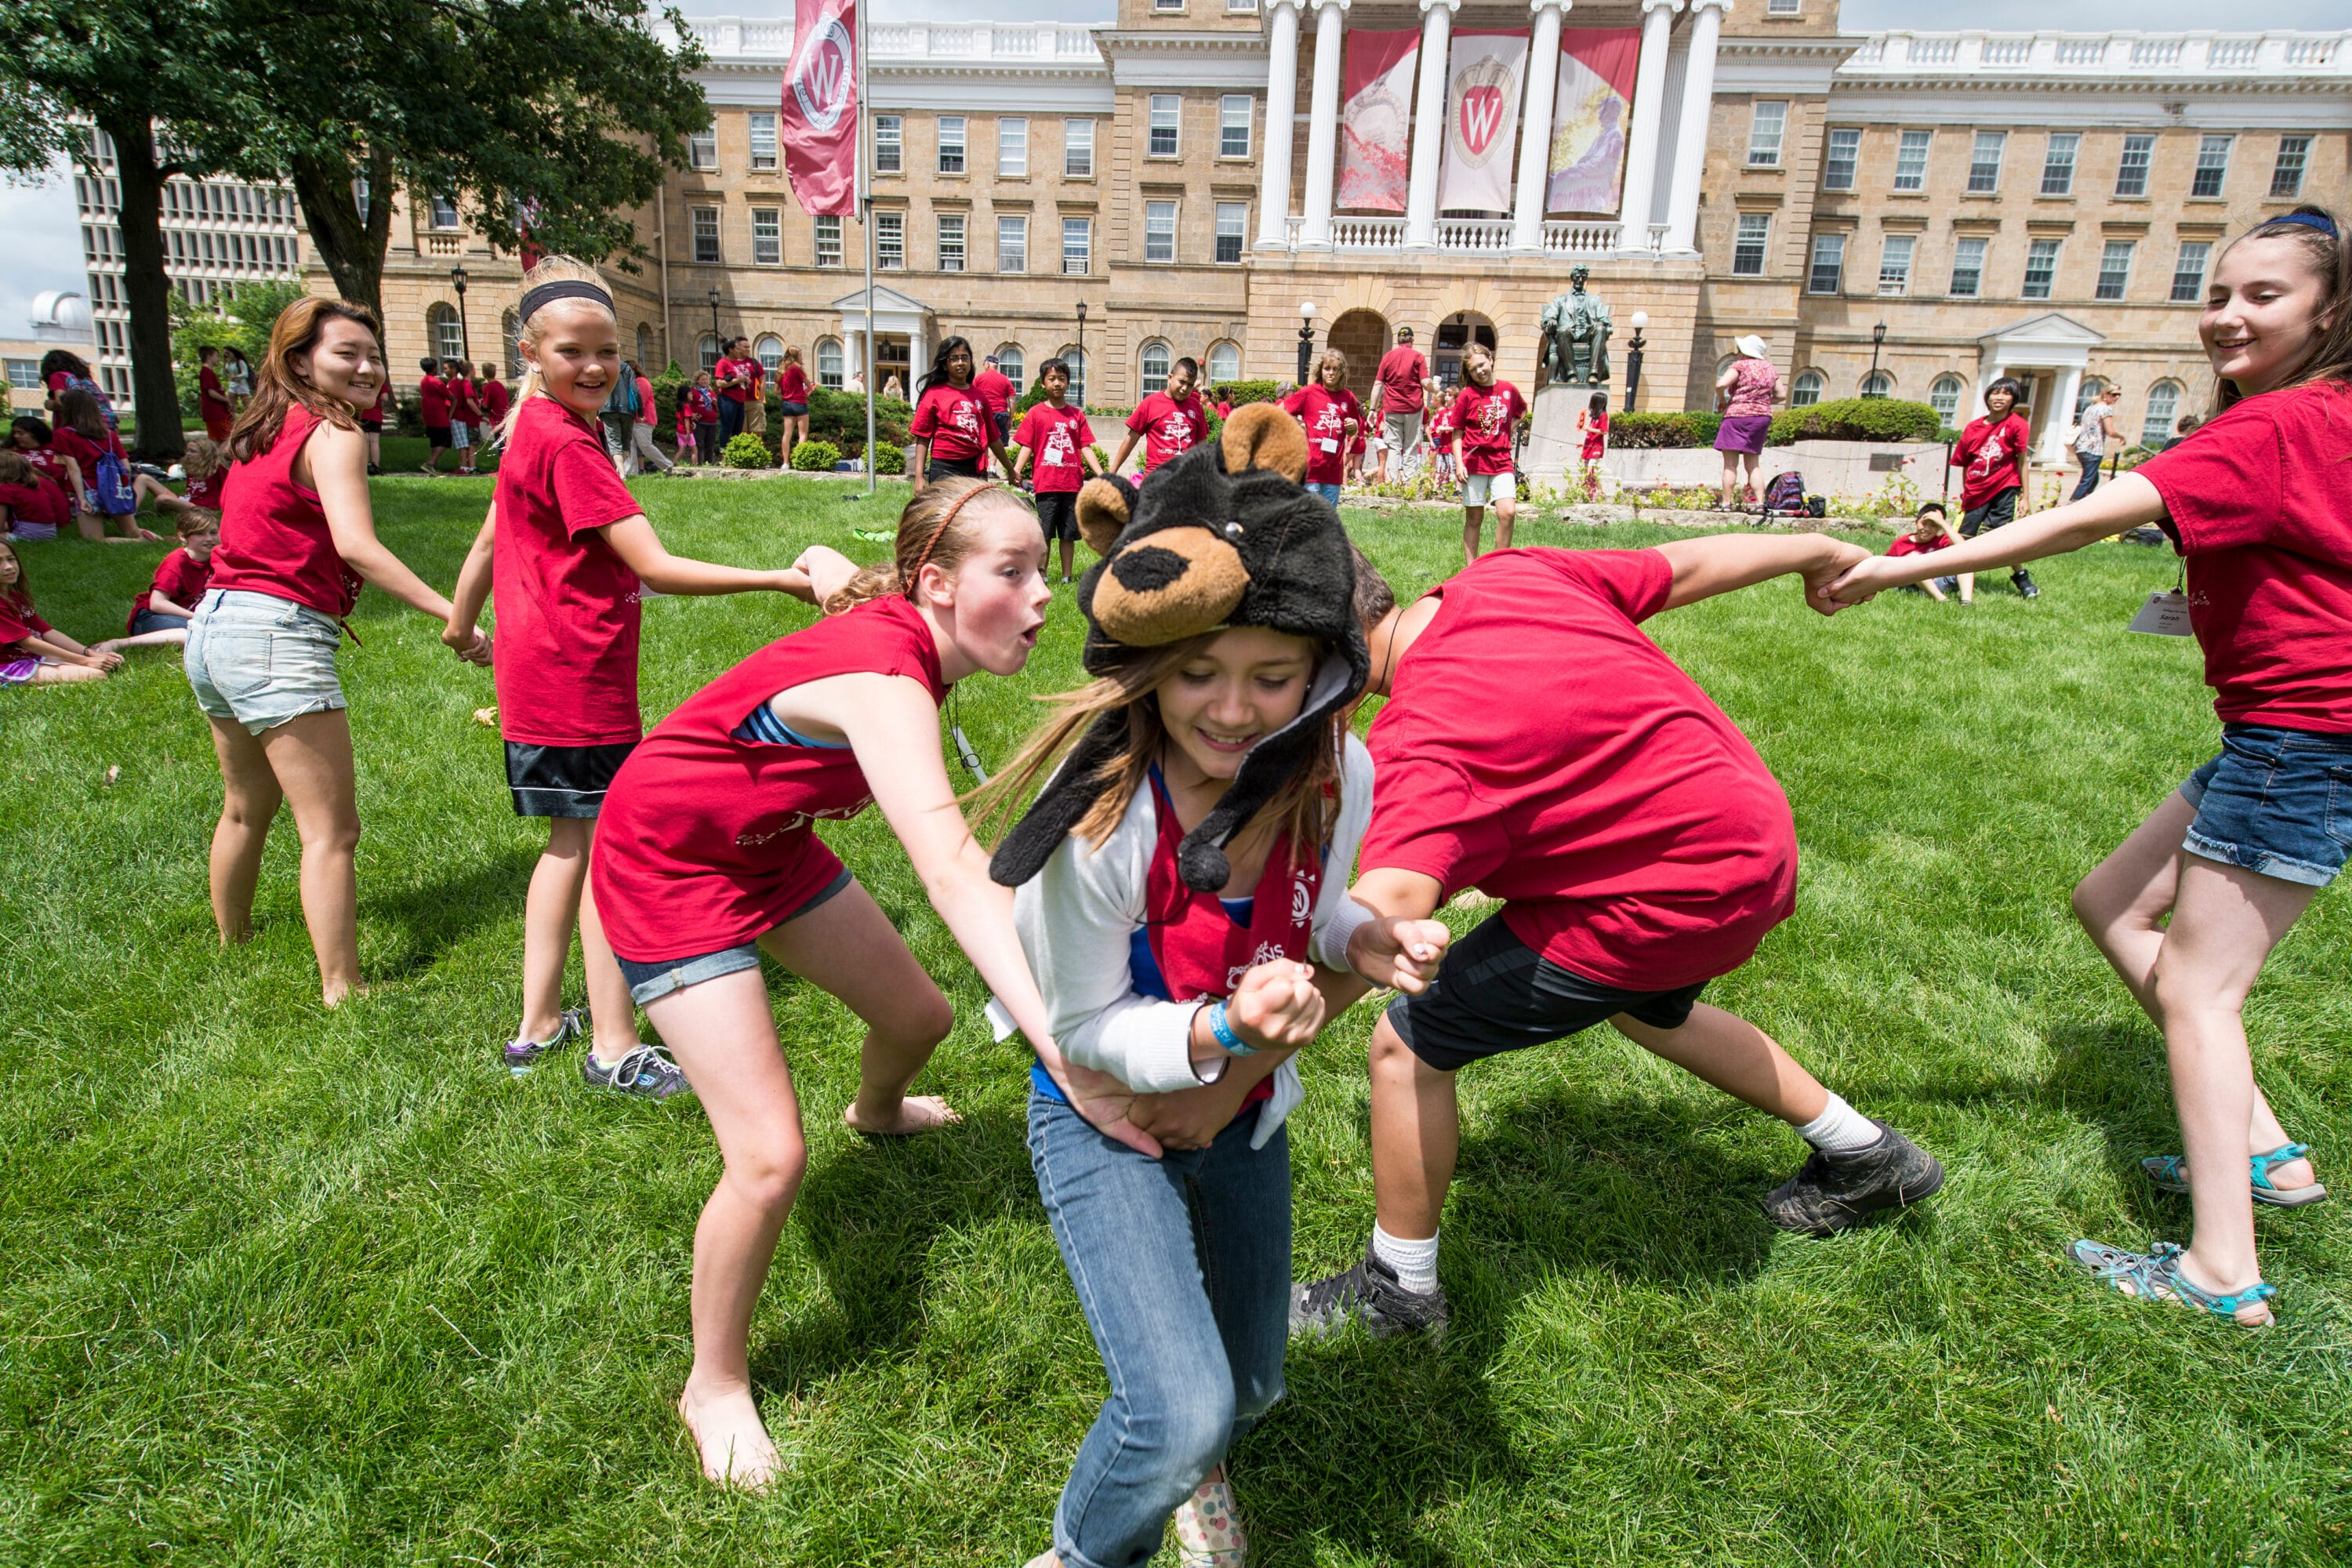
(2089, 479)
(731, 421)
(1182, 1266)
(2277, 802)
(1328, 492)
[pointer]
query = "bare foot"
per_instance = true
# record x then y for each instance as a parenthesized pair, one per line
(916, 1113)
(336, 998)
(727, 1428)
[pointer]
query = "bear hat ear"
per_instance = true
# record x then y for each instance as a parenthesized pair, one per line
(1104, 504)
(1260, 436)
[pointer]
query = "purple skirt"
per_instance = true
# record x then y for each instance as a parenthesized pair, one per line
(1743, 433)
(18, 671)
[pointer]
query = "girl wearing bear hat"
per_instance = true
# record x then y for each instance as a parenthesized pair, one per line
(1180, 882)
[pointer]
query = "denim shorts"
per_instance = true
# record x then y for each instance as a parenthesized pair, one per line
(147, 621)
(260, 660)
(2277, 802)
(651, 982)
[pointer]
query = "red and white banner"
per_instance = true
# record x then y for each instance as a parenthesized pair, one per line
(1590, 118)
(1376, 120)
(1487, 74)
(819, 127)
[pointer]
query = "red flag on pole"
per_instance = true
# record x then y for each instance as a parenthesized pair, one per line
(819, 129)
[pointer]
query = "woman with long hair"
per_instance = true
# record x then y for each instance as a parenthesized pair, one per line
(952, 420)
(298, 540)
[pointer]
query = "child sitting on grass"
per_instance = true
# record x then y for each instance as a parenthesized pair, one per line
(33, 440)
(84, 436)
(206, 463)
(1931, 531)
(32, 651)
(30, 507)
(160, 616)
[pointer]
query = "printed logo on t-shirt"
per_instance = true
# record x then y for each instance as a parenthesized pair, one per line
(966, 417)
(1488, 416)
(1267, 953)
(1302, 902)
(747, 839)
(1061, 448)
(1177, 427)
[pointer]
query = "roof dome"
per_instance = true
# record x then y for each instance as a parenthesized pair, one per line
(61, 313)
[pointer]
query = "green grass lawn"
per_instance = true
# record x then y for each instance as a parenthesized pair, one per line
(287, 1286)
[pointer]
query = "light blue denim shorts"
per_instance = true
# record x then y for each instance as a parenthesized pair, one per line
(261, 661)
(2277, 802)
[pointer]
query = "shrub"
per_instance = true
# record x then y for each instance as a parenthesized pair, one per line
(747, 451)
(840, 417)
(1856, 420)
(889, 458)
(669, 387)
(1632, 429)
(815, 456)
(1237, 393)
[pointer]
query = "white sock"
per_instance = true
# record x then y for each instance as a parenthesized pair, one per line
(1840, 1128)
(1415, 1262)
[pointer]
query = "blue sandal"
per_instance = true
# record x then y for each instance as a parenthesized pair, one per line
(2170, 1173)
(2156, 1276)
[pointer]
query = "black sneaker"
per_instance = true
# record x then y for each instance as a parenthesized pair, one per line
(647, 1071)
(2026, 584)
(1368, 1294)
(1837, 1191)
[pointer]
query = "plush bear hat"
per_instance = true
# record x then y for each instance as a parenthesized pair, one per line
(1223, 536)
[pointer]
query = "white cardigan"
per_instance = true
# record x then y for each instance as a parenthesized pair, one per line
(1079, 916)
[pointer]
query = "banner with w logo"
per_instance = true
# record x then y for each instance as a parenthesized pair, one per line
(819, 127)
(1486, 73)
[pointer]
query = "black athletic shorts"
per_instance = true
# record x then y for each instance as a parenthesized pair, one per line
(563, 781)
(1494, 994)
(436, 435)
(1998, 512)
(1057, 513)
(945, 467)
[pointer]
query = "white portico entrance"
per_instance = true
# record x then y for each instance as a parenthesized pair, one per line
(2048, 353)
(901, 325)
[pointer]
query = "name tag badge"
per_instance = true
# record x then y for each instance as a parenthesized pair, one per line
(2166, 615)
(1328, 445)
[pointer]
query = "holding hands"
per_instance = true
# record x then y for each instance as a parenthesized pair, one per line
(467, 642)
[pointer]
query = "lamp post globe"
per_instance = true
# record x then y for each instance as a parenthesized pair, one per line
(1641, 320)
(1306, 336)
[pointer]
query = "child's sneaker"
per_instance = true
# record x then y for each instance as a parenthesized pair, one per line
(1209, 1528)
(522, 1056)
(1368, 1293)
(1837, 1191)
(647, 1071)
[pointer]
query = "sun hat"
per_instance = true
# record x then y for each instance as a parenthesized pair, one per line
(1752, 346)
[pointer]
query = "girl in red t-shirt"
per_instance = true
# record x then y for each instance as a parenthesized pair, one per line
(1485, 421)
(951, 421)
(159, 616)
(84, 436)
(708, 857)
(203, 464)
(567, 553)
(32, 651)
(30, 507)
(2259, 503)
(33, 440)
(1592, 430)
(1332, 419)
(793, 394)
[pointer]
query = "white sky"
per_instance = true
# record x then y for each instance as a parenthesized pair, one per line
(46, 253)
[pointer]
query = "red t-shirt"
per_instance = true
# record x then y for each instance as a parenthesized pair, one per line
(87, 452)
(433, 402)
(1324, 413)
(707, 839)
(1486, 417)
(208, 493)
(995, 389)
(210, 395)
(1169, 429)
(703, 404)
(744, 367)
(1540, 747)
(1441, 429)
(38, 502)
(462, 404)
(792, 383)
(1991, 458)
(1907, 545)
(274, 534)
(179, 577)
(372, 416)
(2260, 499)
(51, 462)
(953, 420)
(1402, 371)
(496, 400)
(1058, 439)
(19, 619)
(646, 411)
(567, 606)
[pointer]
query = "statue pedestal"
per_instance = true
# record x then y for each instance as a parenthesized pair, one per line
(1554, 450)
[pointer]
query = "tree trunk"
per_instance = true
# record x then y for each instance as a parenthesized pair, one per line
(154, 391)
(351, 246)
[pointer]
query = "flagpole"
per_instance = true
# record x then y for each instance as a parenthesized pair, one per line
(866, 221)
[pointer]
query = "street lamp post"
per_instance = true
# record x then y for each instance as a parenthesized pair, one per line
(1306, 336)
(714, 320)
(1633, 358)
(465, 337)
(1877, 336)
(1082, 352)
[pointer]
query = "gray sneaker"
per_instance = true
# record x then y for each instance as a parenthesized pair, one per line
(1368, 1294)
(647, 1071)
(1838, 1191)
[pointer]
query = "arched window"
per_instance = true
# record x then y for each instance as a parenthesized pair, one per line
(1807, 390)
(1075, 358)
(1878, 383)
(645, 347)
(1944, 397)
(1011, 365)
(1225, 361)
(708, 350)
(2163, 406)
(771, 352)
(441, 328)
(2092, 386)
(828, 363)
(510, 336)
(1156, 360)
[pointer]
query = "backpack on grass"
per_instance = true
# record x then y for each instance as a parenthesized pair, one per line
(1786, 493)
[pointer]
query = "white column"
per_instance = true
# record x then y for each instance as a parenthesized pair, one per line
(919, 358)
(1281, 115)
(1535, 136)
(1428, 124)
(1690, 140)
(1649, 110)
(2060, 417)
(1323, 125)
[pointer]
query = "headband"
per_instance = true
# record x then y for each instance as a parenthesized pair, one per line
(538, 299)
(2319, 221)
(939, 531)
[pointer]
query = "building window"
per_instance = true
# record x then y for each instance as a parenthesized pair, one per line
(890, 241)
(950, 144)
(25, 375)
(2189, 272)
(1878, 383)
(2041, 268)
(1010, 364)
(769, 351)
(1944, 397)
(889, 144)
(1894, 263)
(1234, 125)
(1078, 149)
(828, 363)
(1232, 231)
(706, 234)
(1827, 273)
(1967, 267)
(1844, 156)
(1078, 245)
(1159, 231)
(767, 236)
(702, 148)
(1984, 161)
(444, 212)
(1012, 242)
(2058, 164)
(1225, 361)
(1911, 160)
(2131, 173)
(2212, 166)
(2286, 174)
(1166, 114)
(1748, 244)
(2115, 270)
(2163, 403)
(1247, 7)
(441, 329)
(951, 242)
(828, 241)
(1806, 390)
(1012, 149)
(1075, 358)
(763, 141)
(1766, 124)
(1155, 368)
(2087, 394)
(511, 338)
(1167, 4)
(1784, 7)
